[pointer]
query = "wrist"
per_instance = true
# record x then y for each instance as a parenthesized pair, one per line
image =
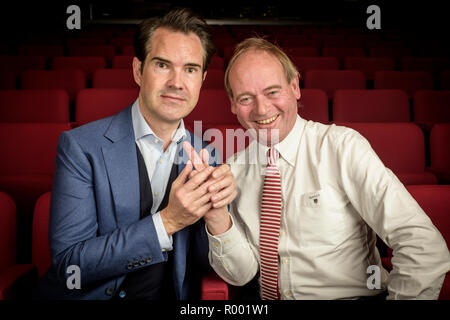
(169, 225)
(219, 223)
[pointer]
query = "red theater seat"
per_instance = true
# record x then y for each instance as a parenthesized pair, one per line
(40, 240)
(19, 64)
(214, 79)
(301, 51)
(114, 78)
(389, 52)
(26, 172)
(431, 106)
(216, 63)
(440, 151)
(122, 62)
(313, 105)
(13, 277)
(87, 64)
(34, 106)
(433, 65)
(7, 80)
(213, 107)
(304, 64)
(94, 104)
(342, 53)
(107, 52)
(371, 106)
(331, 80)
(46, 51)
(410, 81)
(226, 138)
(369, 65)
(400, 146)
(86, 41)
(435, 201)
(70, 80)
(120, 43)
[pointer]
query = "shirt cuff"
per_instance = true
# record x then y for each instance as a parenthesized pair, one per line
(225, 242)
(165, 241)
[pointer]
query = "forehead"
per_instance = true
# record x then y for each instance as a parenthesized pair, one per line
(176, 46)
(257, 69)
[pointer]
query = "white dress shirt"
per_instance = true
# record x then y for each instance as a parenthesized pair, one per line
(157, 161)
(336, 194)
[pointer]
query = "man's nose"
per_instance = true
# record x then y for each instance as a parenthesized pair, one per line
(175, 80)
(262, 106)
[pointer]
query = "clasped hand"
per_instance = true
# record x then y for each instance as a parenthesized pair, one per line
(203, 192)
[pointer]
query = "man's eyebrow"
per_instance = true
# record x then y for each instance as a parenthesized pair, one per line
(161, 59)
(275, 86)
(189, 64)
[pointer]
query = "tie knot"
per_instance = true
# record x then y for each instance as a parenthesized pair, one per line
(272, 156)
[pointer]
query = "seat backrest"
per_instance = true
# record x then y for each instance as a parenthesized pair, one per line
(389, 52)
(214, 79)
(439, 146)
(304, 64)
(431, 106)
(301, 51)
(8, 230)
(216, 63)
(7, 80)
(369, 65)
(105, 51)
(214, 107)
(226, 138)
(94, 104)
(313, 105)
(19, 64)
(87, 64)
(430, 64)
(331, 80)
(70, 80)
(34, 106)
(29, 148)
(114, 78)
(371, 106)
(122, 62)
(341, 53)
(47, 51)
(435, 201)
(400, 146)
(40, 240)
(410, 81)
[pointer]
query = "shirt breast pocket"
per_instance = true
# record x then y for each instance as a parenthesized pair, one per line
(323, 218)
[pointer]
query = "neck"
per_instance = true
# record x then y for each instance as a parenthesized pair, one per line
(162, 129)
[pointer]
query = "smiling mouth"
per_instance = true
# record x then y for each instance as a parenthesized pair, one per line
(267, 121)
(173, 98)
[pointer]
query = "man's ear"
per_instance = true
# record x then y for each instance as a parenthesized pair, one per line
(204, 76)
(233, 106)
(137, 74)
(295, 86)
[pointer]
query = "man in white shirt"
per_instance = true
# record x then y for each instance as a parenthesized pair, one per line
(336, 196)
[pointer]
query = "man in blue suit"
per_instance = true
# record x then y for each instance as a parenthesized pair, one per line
(127, 208)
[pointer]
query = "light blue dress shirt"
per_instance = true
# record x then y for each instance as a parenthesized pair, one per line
(159, 165)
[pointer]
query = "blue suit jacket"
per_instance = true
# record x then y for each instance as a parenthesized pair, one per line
(94, 215)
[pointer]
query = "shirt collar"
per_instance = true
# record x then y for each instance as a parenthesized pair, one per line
(142, 129)
(287, 147)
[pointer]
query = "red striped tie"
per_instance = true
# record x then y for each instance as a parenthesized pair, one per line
(270, 229)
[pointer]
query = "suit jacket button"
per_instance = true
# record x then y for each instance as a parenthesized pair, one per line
(130, 266)
(109, 291)
(122, 294)
(142, 262)
(149, 259)
(136, 263)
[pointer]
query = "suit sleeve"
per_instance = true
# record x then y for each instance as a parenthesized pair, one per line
(74, 226)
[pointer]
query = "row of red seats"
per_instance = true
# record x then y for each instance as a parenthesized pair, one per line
(17, 280)
(378, 105)
(74, 80)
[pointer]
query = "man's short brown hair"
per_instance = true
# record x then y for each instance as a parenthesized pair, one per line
(260, 44)
(179, 20)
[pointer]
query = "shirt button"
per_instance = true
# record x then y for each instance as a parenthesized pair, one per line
(285, 260)
(109, 291)
(281, 233)
(160, 161)
(156, 194)
(226, 241)
(156, 140)
(288, 293)
(122, 294)
(216, 244)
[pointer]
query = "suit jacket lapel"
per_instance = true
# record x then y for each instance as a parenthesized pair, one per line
(122, 168)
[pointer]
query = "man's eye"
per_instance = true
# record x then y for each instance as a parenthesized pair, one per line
(161, 65)
(245, 100)
(273, 93)
(191, 70)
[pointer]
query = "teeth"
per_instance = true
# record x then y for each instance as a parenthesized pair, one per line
(267, 121)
